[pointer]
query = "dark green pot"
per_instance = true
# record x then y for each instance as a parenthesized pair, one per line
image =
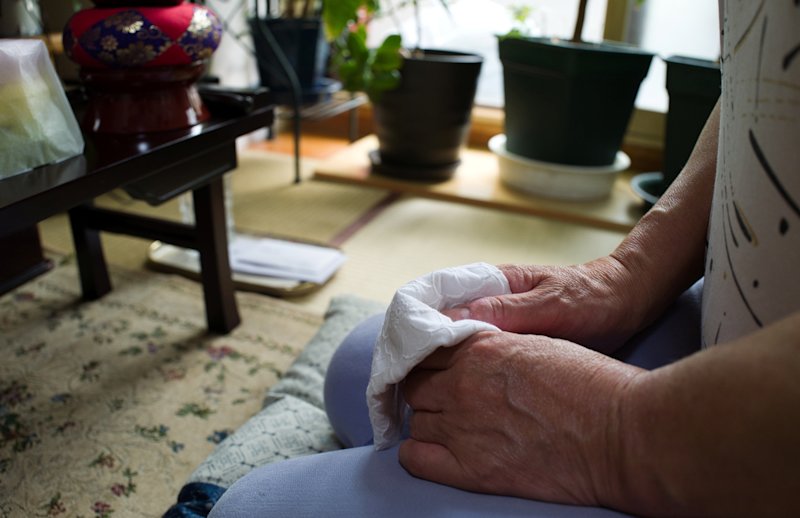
(422, 124)
(302, 40)
(693, 86)
(569, 103)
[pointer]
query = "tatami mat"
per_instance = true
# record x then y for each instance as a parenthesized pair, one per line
(414, 236)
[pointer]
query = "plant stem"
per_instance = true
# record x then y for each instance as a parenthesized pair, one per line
(577, 36)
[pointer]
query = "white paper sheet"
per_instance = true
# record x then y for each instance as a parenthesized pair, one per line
(284, 259)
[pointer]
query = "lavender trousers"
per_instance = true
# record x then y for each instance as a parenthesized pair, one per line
(359, 482)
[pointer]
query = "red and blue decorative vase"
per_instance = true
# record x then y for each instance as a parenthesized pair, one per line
(140, 60)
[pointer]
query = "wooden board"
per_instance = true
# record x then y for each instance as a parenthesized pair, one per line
(476, 182)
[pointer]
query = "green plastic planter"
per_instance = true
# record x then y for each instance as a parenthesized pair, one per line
(693, 86)
(566, 102)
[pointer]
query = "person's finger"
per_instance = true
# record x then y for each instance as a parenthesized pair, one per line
(441, 358)
(457, 313)
(428, 427)
(494, 309)
(513, 312)
(422, 390)
(521, 278)
(432, 461)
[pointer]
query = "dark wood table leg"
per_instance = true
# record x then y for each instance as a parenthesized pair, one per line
(22, 258)
(215, 269)
(95, 281)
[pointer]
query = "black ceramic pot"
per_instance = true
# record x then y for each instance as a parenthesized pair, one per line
(422, 124)
(569, 103)
(693, 85)
(302, 41)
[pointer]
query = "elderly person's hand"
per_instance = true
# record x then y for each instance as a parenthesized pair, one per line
(599, 304)
(602, 303)
(518, 415)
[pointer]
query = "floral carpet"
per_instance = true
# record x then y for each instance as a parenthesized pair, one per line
(106, 407)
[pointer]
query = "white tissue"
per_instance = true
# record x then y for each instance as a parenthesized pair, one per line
(414, 327)
(37, 125)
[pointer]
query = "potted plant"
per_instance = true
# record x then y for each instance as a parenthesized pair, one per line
(693, 86)
(291, 49)
(422, 98)
(568, 101)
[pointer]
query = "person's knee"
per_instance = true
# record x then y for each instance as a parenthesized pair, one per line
(346, 383)
(353, 357)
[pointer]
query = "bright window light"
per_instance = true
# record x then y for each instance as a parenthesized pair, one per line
(675, 27)
(473, 26)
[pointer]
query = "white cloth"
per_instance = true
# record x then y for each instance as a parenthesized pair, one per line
(414, 327)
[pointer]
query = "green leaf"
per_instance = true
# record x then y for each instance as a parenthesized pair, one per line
(338, 13)
(387, 57)
(351, 75)
(357, 45)
(358, 67)
(392, 43)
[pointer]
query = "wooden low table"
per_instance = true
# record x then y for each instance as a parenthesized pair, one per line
(477, 182)
(153, 167)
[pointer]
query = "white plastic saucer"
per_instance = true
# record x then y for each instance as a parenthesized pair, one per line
(558, 181)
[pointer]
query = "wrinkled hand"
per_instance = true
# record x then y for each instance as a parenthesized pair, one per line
(518, 415)
(597, 304)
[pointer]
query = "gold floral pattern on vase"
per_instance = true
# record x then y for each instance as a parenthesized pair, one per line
(203, 35)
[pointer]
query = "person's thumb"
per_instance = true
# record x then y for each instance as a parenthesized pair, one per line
(508, 312)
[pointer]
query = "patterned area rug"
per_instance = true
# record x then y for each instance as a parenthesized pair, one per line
(106, 407)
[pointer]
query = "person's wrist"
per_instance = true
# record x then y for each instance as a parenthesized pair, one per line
(625, 299)
(619, 462)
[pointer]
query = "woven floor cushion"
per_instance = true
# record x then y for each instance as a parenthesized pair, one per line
(291, 424)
